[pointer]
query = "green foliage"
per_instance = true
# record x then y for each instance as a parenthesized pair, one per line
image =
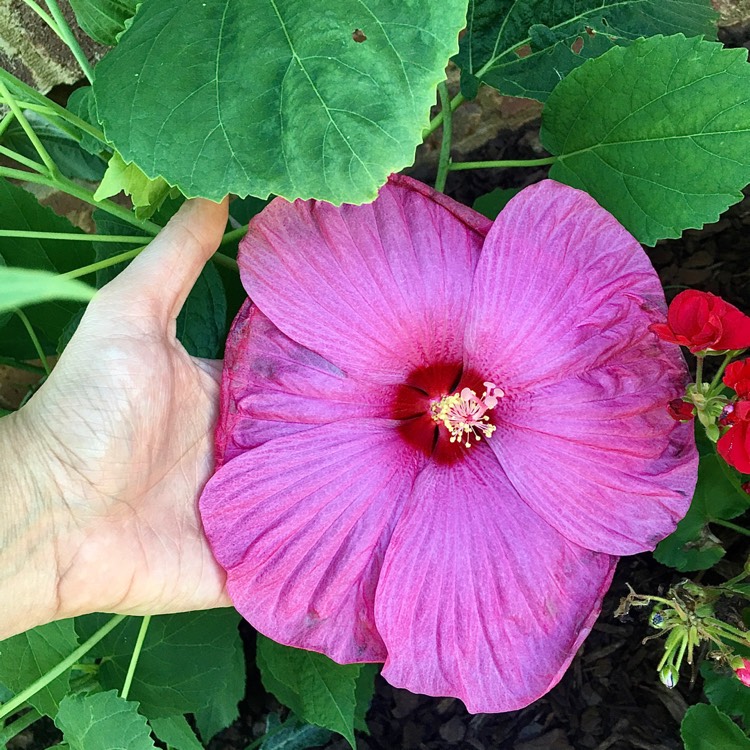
(175, 732)
(20, 210)
(185, 661)
(63, 148)
(104, 20)
(21, 286)
(658, 132)
(258, 98)
(103, 721)
(525, 47)
(146, 194)
(718, 496)
(726, 692)
(83, 104)
(492, 203)
(294, 734)
(317, 689)
(27, 656)
(706, 728)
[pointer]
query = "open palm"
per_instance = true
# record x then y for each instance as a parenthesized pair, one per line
(128, 416)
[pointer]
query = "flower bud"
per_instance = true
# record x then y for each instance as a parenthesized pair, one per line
(669, 675)
(743, 674)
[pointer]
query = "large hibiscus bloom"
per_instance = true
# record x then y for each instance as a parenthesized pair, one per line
(347, 509)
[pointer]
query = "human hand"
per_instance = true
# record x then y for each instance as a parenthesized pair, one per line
(117, 446)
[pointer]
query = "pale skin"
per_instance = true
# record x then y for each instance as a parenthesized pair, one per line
(101, 471)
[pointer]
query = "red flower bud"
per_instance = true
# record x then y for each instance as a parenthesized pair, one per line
(743, 673)
(700, 321)
(680, 411)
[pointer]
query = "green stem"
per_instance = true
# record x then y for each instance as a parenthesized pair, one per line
(730, 525)
(21, 723)
(699, 370)
(21, 159)
(71, 188)
(44, 16)
(100, 264)
(34, 340)
(456, 165)
(68, 37)
(437, 121)
(224, 260)
(30, 132)
(136, 654)
(18, 365)
(8, 708)
(727, 359)
(55, 108)
(73, 236)
(7, 120)
(445, 144)
(234, 234)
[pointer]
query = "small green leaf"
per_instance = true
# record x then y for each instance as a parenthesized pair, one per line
(492, 203)
(147, 195)
(27, 656)
(294, 735)
(658, 132)
(718, 496)
(321, 112)
(83, 104)
(65, 150)
(706, 728)
(363, 692)
(175, 732)
(20, 210)
(317, 689)
(525, 47)
(104, 20)
(103, 721)
(20, 287)
(185, 661)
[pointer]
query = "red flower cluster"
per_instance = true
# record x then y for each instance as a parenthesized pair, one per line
(700, 321)
(734, 444)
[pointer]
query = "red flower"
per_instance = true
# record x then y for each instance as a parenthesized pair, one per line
(680, 411)
(737, 377)
(734, 444)
(743, 673)
(700, 321)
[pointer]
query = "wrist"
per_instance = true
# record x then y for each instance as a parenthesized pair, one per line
(29, 522)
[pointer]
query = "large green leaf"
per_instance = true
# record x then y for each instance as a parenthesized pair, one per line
(186, 659)
(103, 721)
(317, 689)
(658, 132)
(524, 47)
(175, 733)
(20, 210)
(706, 728)
(20, 287)
(725, 691)
(104, 20)
(27, 656)
(300, 99)
(718, 496)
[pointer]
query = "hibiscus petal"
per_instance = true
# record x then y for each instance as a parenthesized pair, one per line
(301, 524)
(598, 456)
(560, 287)
(379, 290)
(478, 597)
(273, 387)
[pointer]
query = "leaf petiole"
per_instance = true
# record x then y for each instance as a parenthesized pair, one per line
(502, 164)
(63, 31)
(444, 163)
(134, 658)
(18, 700)
(34, 340)
(21, 723)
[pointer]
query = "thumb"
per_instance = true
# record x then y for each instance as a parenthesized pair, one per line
(161, 277)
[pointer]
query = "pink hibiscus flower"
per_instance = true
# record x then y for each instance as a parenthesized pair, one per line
(349, 512)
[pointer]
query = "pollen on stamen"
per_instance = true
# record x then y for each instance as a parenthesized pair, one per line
(464, 414)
